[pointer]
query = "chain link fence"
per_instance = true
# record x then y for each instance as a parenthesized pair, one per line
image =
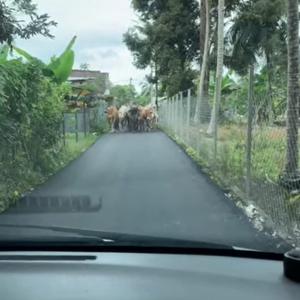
(77, 124)
(246, 155)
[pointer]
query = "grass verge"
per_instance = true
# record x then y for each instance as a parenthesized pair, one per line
(20, 176)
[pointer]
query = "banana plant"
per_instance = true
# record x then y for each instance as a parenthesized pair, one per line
(60, 67)
(228, 85)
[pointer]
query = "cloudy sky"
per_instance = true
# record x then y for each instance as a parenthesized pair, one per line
(99, 26)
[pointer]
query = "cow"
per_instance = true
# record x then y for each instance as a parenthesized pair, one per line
(112, 115)
(132, 117)
(123, 117)
(147, 118)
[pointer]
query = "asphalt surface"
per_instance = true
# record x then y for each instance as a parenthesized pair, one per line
(140, 183)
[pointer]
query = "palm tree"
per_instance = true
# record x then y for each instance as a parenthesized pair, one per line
(259, 30)
(212, 129)
(290, 175)
(202, 108)
(146, 89)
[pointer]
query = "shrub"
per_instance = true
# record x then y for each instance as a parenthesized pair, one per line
(31, 110)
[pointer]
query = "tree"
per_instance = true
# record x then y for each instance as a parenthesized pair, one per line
(95, 86)
(167, 39)
(12, 27)
(291, 173)
(212, 129)
(84, 67)
(146, 89)
(123, 94)
(259, 30)
(202, 107)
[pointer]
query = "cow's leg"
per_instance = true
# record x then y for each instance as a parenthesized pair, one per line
(112, 126)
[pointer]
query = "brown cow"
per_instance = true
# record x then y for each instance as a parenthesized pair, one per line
(146, 118)
(112, 115)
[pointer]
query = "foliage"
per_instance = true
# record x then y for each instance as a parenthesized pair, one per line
(96, 86)
(142, 100)
(167, 39)
(84, 67)
(59, 68)
(258, 29)
(12, 26)
(31, 112)
(123, 94)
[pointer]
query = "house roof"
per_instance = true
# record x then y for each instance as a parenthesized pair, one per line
(82, 74)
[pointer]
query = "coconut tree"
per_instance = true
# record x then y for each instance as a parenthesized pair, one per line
(259, 30)
(202, 108)
(212, 129)
(290, 175)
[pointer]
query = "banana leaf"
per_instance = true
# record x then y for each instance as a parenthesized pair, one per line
(62, 66)
(59, 68)
(24, 53)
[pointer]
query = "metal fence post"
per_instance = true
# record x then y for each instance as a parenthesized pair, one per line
(174, 115)
(249, 133)
(170, 113)
(181, 116)
(84, 119)
(64, 129)
(167, 113)
(188, 116)
(76, 126)
(177, 117)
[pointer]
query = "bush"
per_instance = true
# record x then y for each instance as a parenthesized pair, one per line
(31, 110)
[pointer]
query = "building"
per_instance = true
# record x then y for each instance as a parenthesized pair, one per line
(77, 77)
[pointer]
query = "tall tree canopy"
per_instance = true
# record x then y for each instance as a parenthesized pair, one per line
(167, 39)
(12, 15)
(123, 94)
(258, 30)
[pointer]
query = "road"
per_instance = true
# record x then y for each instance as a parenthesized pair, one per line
(147, 185)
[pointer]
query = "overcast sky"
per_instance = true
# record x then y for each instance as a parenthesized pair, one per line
(99, 26)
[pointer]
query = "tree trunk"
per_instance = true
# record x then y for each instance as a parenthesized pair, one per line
(212, 129)
(151, 88)
(202, 107)
(156, 86)
(291, 156)
(270, 112)
(249, 134)
(204, 104)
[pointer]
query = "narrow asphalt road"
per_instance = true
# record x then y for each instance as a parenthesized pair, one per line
(147, 185)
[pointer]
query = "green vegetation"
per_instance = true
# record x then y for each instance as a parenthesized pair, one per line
(124, 94)
(166, 40)
(59, 68)
(31, 107)
(20, 175)
(13, 15)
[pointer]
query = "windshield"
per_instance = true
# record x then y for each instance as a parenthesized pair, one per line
(174, 119)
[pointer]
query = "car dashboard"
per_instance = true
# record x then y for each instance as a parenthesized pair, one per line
(136, 276)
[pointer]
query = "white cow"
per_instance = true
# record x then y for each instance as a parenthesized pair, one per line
(123, 117)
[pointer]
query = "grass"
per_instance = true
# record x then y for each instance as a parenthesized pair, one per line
(268, 149)
(18, 177)
(73, 148)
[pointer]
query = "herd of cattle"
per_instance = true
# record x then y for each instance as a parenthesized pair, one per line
(134, 118)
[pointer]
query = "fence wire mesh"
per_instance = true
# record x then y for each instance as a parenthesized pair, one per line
(79, 123)
(225, 154)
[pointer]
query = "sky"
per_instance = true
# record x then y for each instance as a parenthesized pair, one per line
(99, 26)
